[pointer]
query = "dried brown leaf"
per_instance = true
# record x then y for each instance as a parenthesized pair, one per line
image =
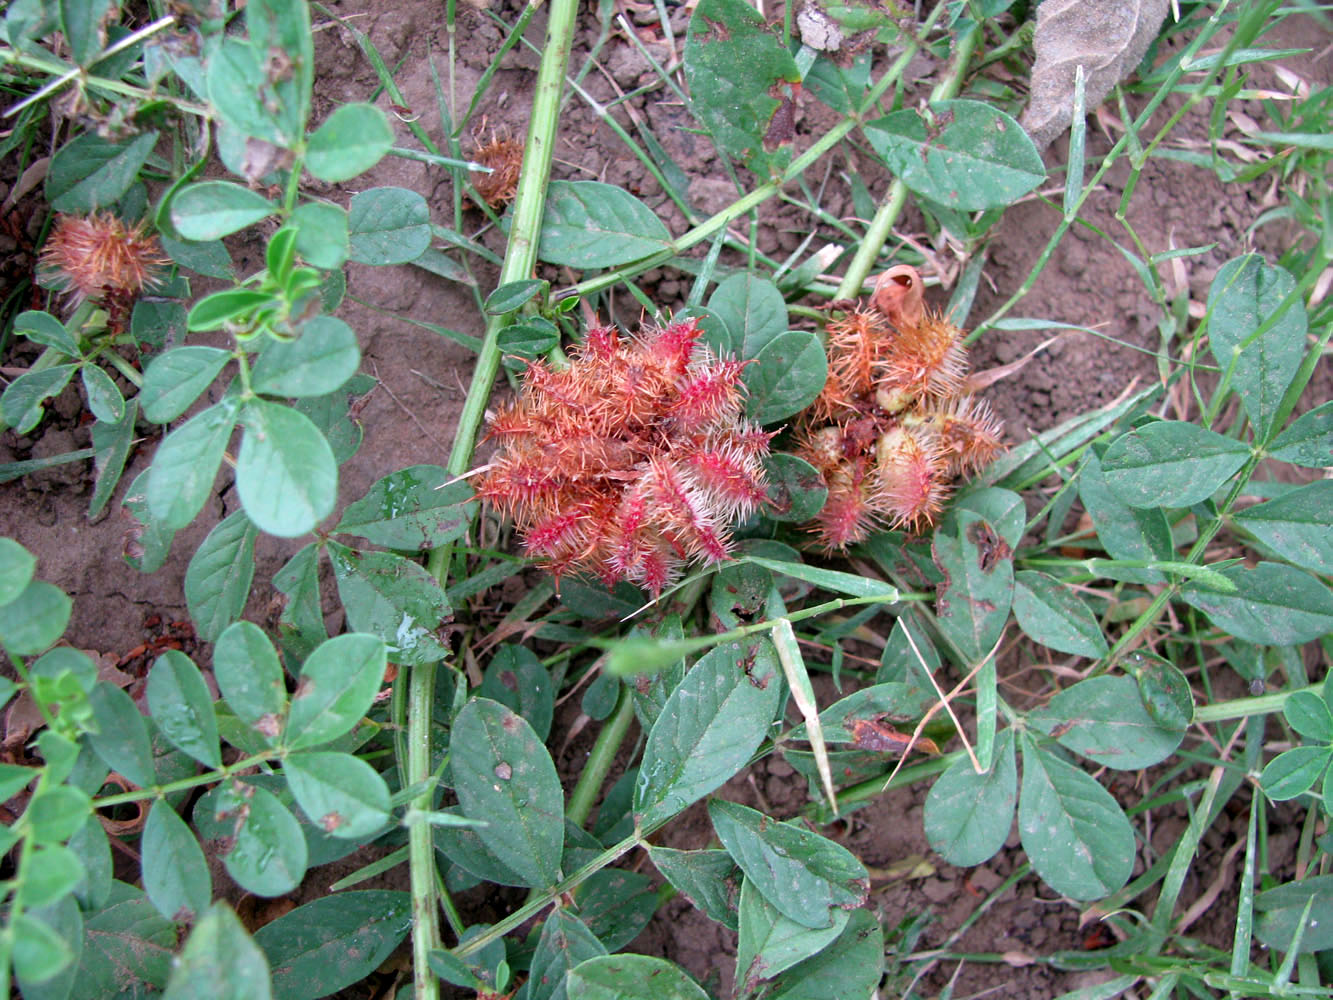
(1107, 37)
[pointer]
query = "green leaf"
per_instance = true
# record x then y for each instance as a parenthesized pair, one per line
(284, 26)
(520, 343)
(34, 619)
(21, 403)
(1163, 689)
(1055, 616)
(220, 308)
(1244, 294)
(182, 707)
(1075, 834)
(464, 848)
(104, 399)
(1103, 719)
(1308, 441)
(48, 873)
(64, 918)
(14, 778)
(84, 23)
(796, 490)
(122, 739)
(207, 257)
(512, 295)
(250, 677)
(318, 362)
(1309, 715)
(631, 977)
(503, 774)
(735, 64)
(1297, 525)
(301, 623)
(964, 155)
(218, 577)
(1280, 912)
(39, 953)
(393, 598)
(786, 376)
(1294, 772)
(565, 942)
(710, 878)
(708, 728)
(351, 141)
(43, 328)
(239, 89)
(17, 565)
(341, 794)
(93, 850)
(321, 234)
(1171, 463)
(1273, 605)
(589, 224)
(968, 815)
(176, 378)
(90, 172)
(209, 210)
(219, 960)
(331, 414)
(616, 905)
(1126, 532)
(770, 943)
(56, 813)
(185, 465)
(848, 969)
(175, 874)
(752, 311)
(285, 472)
(974, 602)
(112, 443)
(419, 507)
(516, 678)
(388, 225)
(805, 876)
(324, 946)
(127, 945)
(259, 840)
(337, 686)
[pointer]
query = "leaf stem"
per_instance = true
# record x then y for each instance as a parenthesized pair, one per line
(601, 758)
(520, 259)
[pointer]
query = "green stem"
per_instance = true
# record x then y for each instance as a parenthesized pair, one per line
(520, 259)
(420, 845)
(184, 784)
(601, 758)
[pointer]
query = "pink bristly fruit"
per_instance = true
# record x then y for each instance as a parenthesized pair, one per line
(633, 461)
(893, 426)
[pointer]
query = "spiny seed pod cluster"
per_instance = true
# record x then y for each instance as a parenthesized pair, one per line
(895, 423)
(632, 461)
(100, 255)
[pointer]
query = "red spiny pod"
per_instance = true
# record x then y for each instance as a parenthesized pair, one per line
(631, 462)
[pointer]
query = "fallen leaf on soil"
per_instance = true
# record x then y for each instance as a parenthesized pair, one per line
(980, 380)
(1108, 37)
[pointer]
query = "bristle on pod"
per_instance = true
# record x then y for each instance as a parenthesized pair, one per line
(631, 462)
(892, 427)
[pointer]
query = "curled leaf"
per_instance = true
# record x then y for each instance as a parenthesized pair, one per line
(1108, 37)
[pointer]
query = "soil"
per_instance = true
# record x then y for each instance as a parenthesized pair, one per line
(410, 418)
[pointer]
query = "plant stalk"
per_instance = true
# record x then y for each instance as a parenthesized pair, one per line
(520, 259)
(601, 758)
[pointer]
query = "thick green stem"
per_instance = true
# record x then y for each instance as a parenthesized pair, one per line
(601, 758)
(520, 258)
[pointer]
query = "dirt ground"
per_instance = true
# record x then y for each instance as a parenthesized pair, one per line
(410, 419)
